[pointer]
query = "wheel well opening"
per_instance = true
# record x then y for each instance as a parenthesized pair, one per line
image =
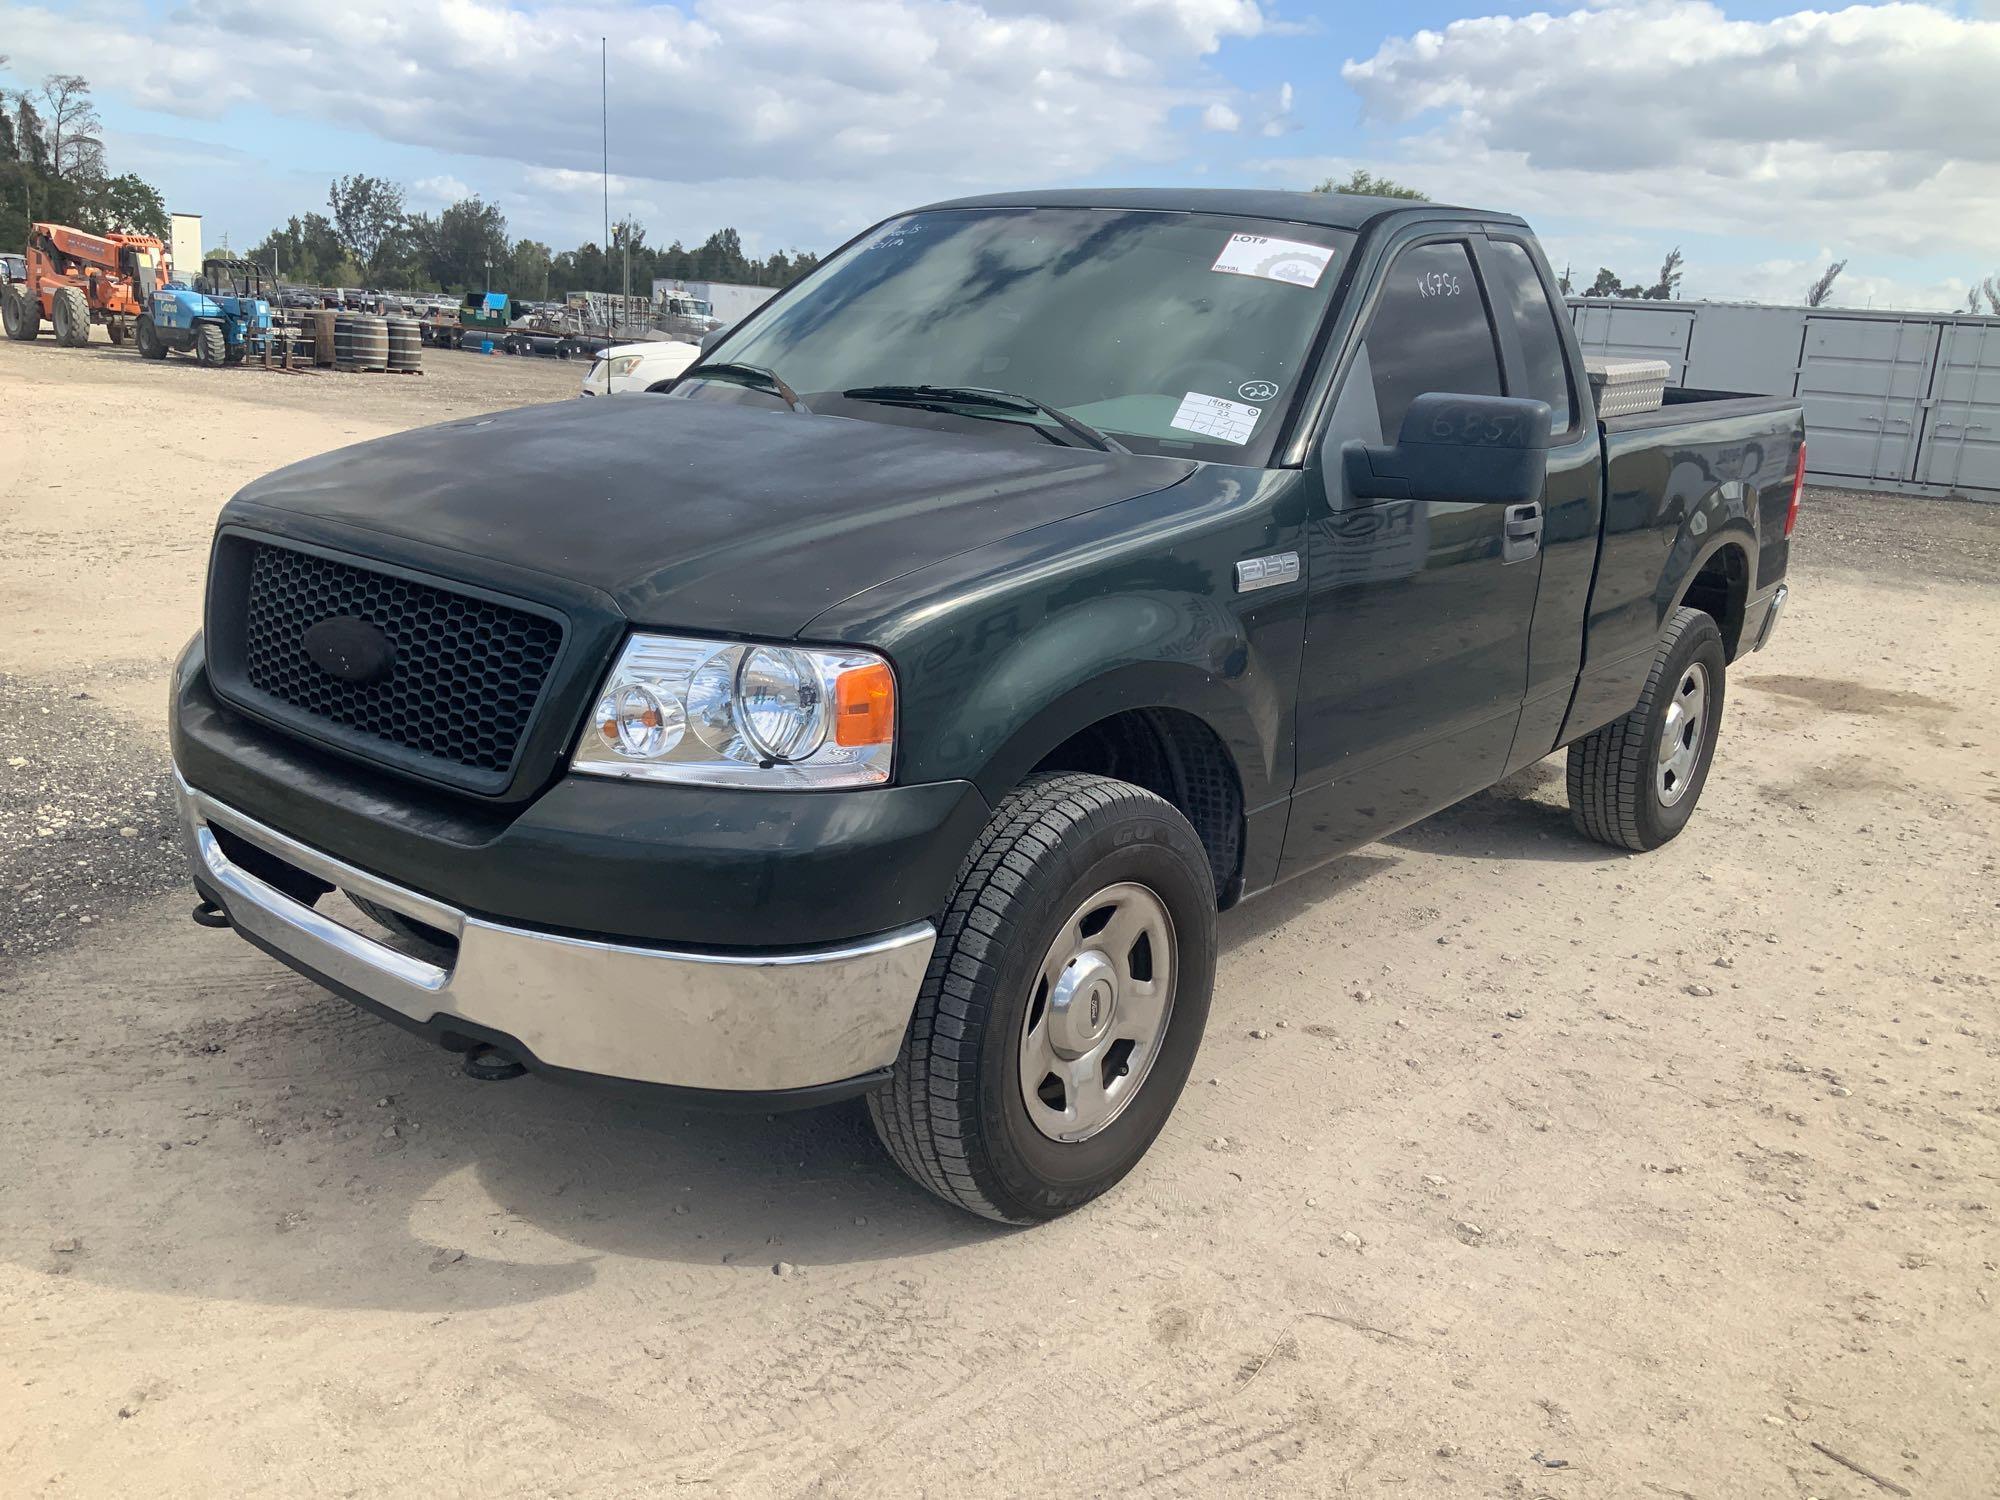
(1721, 589)
(1179, 758)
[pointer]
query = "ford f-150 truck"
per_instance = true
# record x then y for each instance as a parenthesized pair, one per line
(889, 708)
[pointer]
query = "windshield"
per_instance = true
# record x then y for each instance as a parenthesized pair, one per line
(1176, 333)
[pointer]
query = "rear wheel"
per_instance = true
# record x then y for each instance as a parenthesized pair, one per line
(71, 315)
(209, 345)
(1063, 1005)
(116, 328)
(20, 313)
(1635, 782)
(150, 345)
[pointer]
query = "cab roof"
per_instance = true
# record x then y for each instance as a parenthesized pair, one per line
(1330, 210)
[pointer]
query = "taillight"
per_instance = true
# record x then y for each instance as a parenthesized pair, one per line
(1798, 488)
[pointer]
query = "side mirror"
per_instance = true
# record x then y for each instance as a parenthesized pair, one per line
(713, 337)
(1478, 449)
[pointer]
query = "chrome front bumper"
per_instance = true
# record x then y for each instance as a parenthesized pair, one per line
(766, 1022)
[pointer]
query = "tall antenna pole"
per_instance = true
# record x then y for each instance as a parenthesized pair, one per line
(604, 82)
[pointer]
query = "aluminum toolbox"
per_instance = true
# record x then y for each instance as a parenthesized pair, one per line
(1623, 386)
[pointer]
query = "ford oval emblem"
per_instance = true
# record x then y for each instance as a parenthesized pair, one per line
(350, 648)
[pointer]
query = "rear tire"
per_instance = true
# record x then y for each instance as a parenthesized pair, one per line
(957, 1115)
(115, 330)
(71, 315)
(150, 345)
(209, 344)
(20, 313)
(1634, 783)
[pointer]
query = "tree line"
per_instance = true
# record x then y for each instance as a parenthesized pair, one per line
(368, 237)
(53, 170)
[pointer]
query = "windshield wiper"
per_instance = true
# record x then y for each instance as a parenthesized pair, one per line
(942, 396)
(755, 376)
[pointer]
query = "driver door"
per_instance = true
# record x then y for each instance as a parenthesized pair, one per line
(1416, 654)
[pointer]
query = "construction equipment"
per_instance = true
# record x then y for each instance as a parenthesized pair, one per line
(75, 278)
(222, 317)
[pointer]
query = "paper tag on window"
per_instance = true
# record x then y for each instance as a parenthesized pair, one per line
(1291, 261)
(1216, 418)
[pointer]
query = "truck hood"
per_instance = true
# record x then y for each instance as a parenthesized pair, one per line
(702, 515)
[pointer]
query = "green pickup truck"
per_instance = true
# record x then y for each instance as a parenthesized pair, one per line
(888, 708)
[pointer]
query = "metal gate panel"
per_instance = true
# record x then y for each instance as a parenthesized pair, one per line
(1626, 332)
(1864, 382)
(1961, 441)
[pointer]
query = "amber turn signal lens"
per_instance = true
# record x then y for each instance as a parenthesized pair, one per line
(864, 706)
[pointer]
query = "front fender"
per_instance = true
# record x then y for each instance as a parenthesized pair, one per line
(1003, 654)
(1106, 656)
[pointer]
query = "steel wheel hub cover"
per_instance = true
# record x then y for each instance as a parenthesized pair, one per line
(1098, 1012)
(1682, 735)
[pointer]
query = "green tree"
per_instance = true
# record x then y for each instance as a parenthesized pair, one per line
(1668, 286)
(1822, 287)
(367, 215)
(1365, 184)
(456, 248)
(529, 265)
(123, 202)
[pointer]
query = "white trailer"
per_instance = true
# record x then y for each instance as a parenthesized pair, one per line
(728, 301)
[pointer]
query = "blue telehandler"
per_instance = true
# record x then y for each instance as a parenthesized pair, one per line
(222, 317)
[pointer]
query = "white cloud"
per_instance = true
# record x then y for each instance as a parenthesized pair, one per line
(1221, 117)
(866, 99)
(437, 191)
(1874, 126)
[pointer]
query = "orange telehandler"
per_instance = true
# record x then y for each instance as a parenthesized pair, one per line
(76, 278)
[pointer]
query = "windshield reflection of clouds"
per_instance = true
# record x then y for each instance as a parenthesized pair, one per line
(1113, 316)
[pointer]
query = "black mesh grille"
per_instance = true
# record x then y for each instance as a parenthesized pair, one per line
(466, 671)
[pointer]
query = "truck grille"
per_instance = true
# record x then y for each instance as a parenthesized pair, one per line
(465, 676)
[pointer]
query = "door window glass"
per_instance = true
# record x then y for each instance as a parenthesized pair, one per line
(1430, 333)
(1518, 294)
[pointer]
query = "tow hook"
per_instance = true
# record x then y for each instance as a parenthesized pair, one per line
(491, 1065)
(208, 914)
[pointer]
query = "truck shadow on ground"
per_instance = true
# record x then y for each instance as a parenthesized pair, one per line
(265, 1142)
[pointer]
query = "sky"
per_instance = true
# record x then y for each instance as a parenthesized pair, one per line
(1763, 139)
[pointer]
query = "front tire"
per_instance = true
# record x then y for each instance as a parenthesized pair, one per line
(150, 344)
(71, 315)
(20, 313)
(1063, 1006)
(1634, 783)
(209, 345)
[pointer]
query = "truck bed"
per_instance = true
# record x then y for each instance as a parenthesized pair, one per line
(1708, 477)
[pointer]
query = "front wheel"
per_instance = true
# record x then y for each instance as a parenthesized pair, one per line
(1635, 782)
(20, 313)
(151, 346)
(209, 344)
(70, 313)
(1063, 1006)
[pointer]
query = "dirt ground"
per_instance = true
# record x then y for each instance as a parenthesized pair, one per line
(1511, 1166)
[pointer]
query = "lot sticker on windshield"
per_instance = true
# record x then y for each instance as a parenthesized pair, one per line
(1257, 390)
(1216, 417)
(1291, 261)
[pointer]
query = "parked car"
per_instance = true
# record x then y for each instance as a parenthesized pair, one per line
(646, 366)
(889, 710)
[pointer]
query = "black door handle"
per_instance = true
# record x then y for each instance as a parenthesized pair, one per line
(1522, 533)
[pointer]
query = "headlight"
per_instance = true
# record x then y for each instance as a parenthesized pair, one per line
(718, 713)
(625, 364)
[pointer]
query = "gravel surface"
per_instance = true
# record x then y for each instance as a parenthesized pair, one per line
(1900, 537)
(86, 818)
(1510, 1165)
